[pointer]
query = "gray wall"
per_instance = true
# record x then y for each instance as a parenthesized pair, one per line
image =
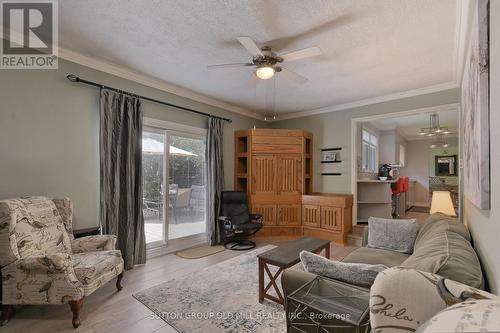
(49, 133)
(334, 130)
(485, 224)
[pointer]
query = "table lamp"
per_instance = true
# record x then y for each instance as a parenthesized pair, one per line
(441, 203)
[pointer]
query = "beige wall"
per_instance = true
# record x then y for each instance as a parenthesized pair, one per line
(334, 130)
(49, 133)
(419, 168)
(485, 224)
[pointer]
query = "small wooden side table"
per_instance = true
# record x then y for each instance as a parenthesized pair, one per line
(285, 256)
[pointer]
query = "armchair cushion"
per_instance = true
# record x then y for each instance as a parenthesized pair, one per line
(94, 243)
(247, 226)
(235, 206)
(36, 227)
(96, 268)
(46, 279)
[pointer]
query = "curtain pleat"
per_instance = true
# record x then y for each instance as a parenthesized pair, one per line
(215, 178)
(121, 174)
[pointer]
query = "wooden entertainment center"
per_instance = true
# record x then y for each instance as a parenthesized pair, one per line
(275, 168)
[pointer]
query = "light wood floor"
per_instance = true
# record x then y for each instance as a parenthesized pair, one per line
(110, 311)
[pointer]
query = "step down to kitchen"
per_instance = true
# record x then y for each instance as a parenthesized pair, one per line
(356, 236)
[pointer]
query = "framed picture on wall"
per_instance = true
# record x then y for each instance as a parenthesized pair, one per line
(329, 156)
(475, 111)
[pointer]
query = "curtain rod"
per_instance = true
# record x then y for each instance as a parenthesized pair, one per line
(74, 78)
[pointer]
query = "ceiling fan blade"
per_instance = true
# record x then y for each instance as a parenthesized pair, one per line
(250, 45)
(235, 65)
(294, 76)
(301, 54)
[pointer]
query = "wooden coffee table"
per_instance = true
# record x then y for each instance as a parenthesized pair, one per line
(285, 256)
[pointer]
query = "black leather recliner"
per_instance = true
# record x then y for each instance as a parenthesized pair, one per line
(236, 221)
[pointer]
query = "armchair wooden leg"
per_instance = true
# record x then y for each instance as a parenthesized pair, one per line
(7, 311)
(119, 281)
(75, 307)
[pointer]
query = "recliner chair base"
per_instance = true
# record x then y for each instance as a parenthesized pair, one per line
(239, 244)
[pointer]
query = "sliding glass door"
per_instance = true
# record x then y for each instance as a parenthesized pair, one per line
(186, 176)
(174, 190)
(153, 179)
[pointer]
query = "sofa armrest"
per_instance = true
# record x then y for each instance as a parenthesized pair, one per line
(50, 279)
(293, 279)
(94, 243)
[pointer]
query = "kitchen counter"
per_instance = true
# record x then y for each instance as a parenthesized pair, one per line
(376, 181)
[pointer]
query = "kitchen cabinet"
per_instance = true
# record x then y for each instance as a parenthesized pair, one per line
(392, 149)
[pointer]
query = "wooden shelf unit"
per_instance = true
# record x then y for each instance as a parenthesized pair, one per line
(275, 168)
(241, 161)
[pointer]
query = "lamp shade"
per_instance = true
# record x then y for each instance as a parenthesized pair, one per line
(441, 203)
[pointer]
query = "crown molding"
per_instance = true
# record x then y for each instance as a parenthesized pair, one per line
(128, 74)
(373, 100)
(425, 110)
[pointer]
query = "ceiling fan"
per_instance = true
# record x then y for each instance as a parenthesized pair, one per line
(268, 62)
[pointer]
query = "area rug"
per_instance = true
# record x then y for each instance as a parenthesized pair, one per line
(219, 298)
(200, 251)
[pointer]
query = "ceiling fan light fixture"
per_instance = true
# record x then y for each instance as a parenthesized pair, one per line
(265, 72)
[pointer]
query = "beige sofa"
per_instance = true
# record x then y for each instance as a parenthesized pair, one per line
(442, 247)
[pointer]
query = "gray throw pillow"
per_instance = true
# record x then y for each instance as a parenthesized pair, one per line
(390, 234)
(354, 273)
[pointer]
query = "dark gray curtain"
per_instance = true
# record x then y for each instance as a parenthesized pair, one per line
(121, 174)
(215, 178)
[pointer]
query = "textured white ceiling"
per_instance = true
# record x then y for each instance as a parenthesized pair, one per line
(371, 48)
(409, 126)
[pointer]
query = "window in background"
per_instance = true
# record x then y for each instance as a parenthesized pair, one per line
(402, 155)
(369, 151)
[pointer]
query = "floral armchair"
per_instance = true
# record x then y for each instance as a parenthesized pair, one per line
(42, 263)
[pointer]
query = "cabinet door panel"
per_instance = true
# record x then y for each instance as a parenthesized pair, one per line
(268, 213)
(263, 174)
(289, 215)
(331, 218)
(290, 174)
(311, 215)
